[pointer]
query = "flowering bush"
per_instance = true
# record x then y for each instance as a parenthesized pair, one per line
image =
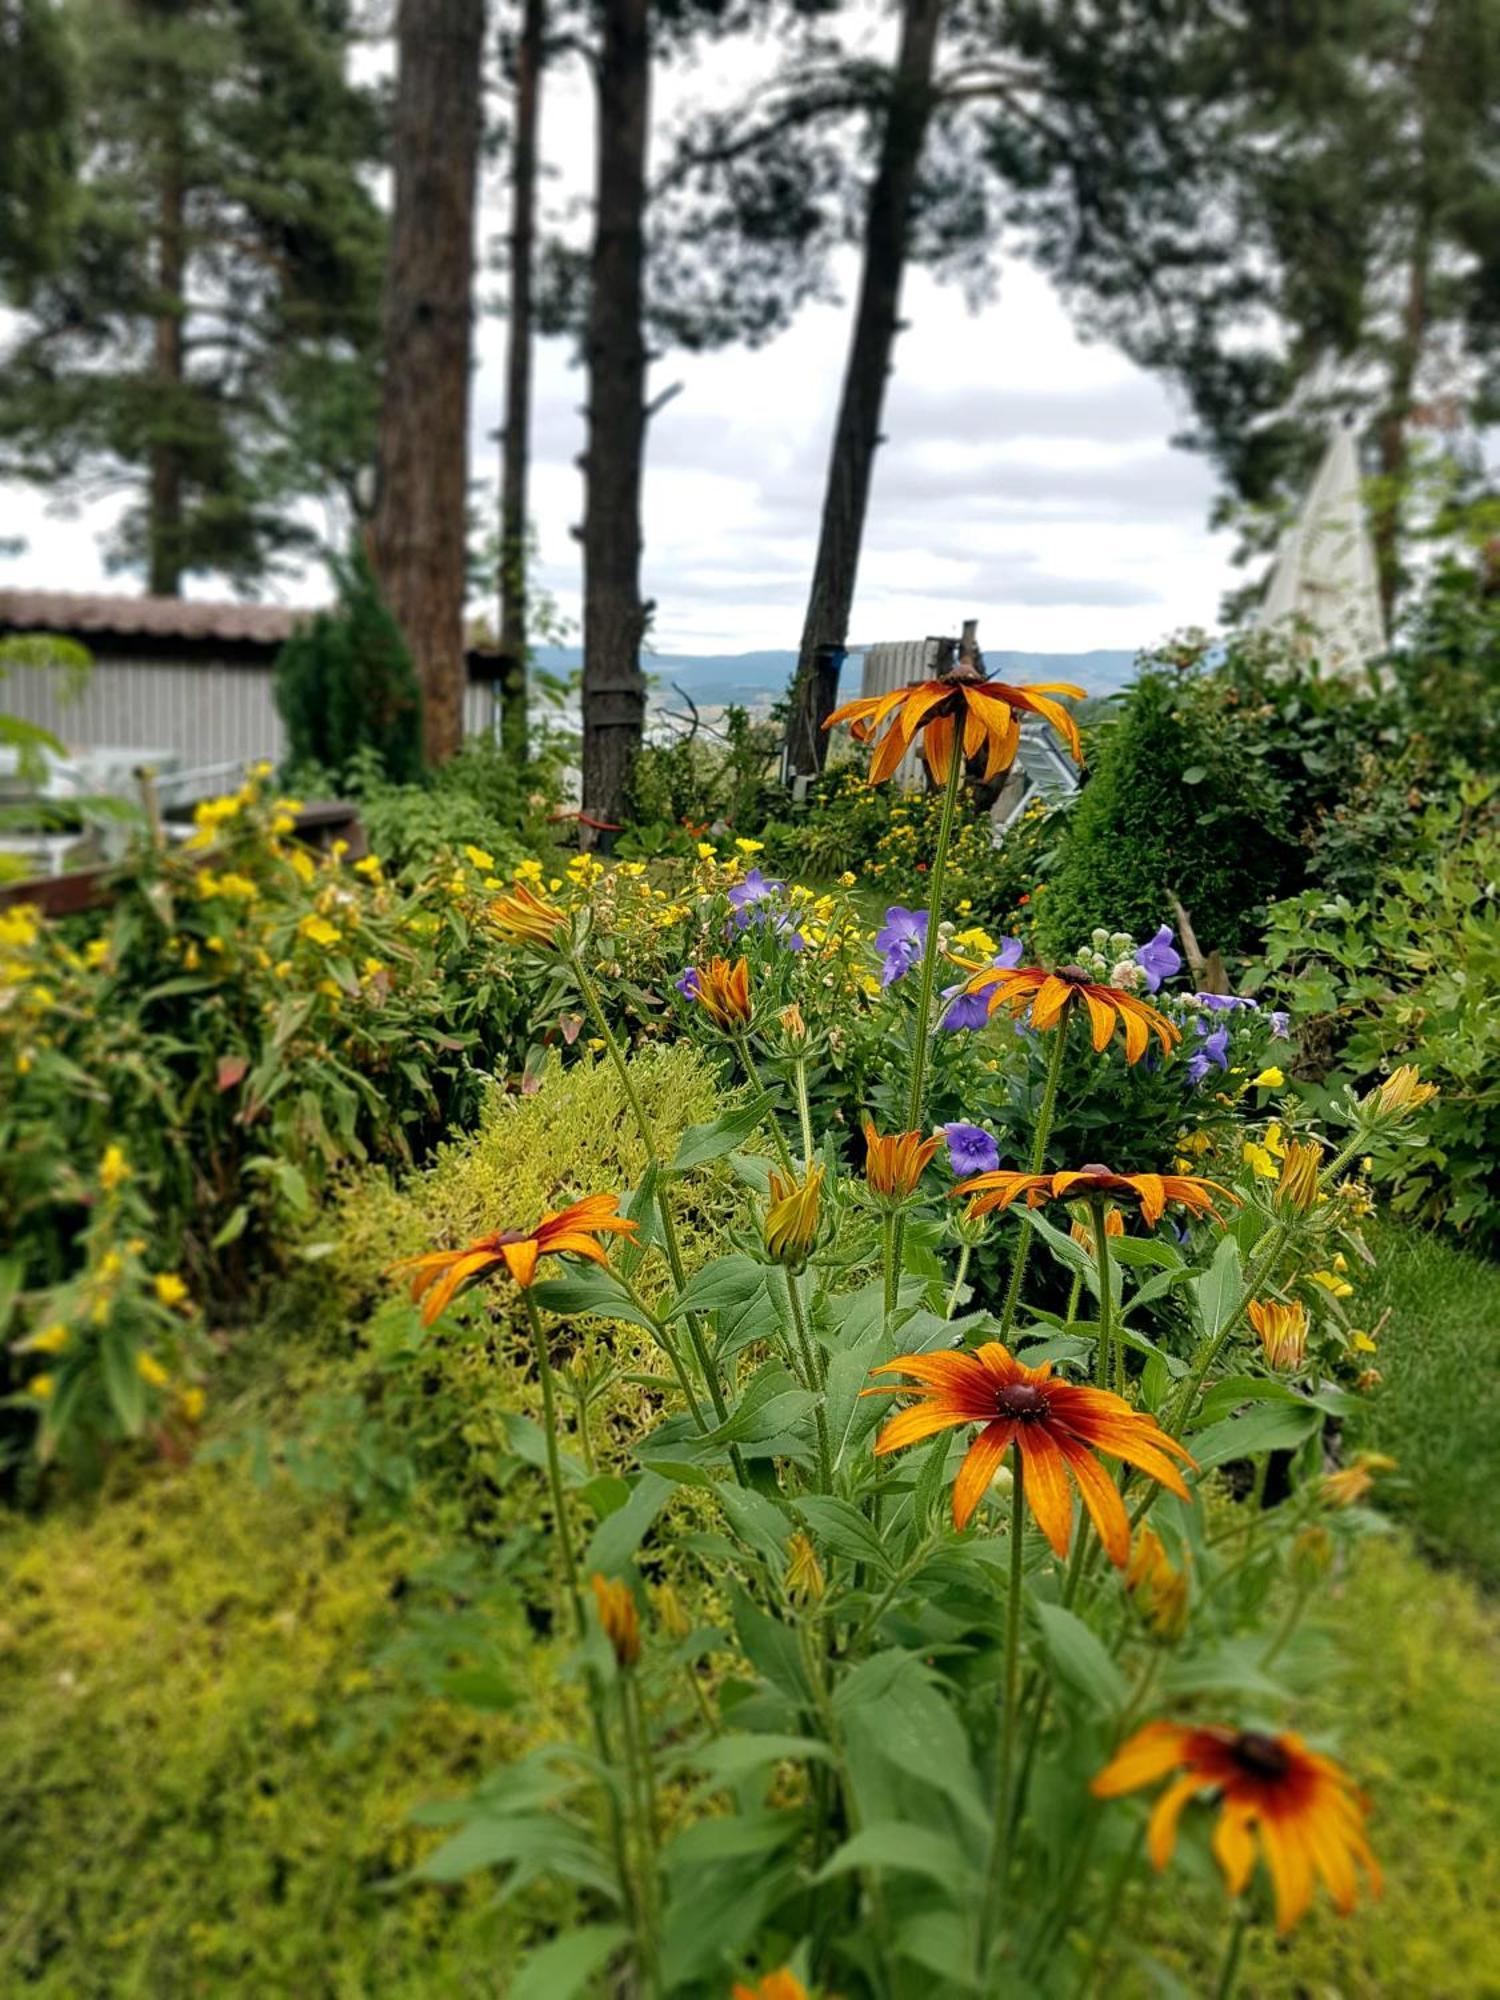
(971, 1571)
(190, 1066)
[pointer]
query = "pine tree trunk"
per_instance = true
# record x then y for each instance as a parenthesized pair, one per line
(517, 442)
(164, 472)
(614, 618)
(856, 434)
(420, 512)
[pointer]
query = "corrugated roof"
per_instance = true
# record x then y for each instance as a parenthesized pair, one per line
(68, 612)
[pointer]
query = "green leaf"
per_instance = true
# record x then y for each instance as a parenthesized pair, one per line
(122, 1379)
(1219, 1290)
(728, 1281)
(897, 1844)
(592, 1291)
(564, 1966)
(771, 1647)
(729, 1838)
(233, 1229)
(844, 1529)
(729, 1758)
(1270, 1427)
(758, 1522)
(620, 1534)
(543, 1844)
(1080, 1656)
(701, 1143)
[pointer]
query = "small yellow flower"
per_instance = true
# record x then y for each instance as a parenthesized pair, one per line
(114, 1168)
(302, 865)
(52, 1339)
(848, 879)
(191, 1403)
(318, 930)
(750, 846)
(151, 1371)
(705, 850)
(41, 1386)
(96, 952)
(170, 1289)
(369, 867)
(1361, 1342)
(1331, 1282)
(1269, 1079)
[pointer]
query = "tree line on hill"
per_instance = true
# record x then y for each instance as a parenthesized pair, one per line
(217, 317)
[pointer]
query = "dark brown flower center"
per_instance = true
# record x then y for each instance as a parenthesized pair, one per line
(509, 1236)
(1022, 1402)
(1260, 1756)
(1073, 974)
(964, 672)
(1095, 1168)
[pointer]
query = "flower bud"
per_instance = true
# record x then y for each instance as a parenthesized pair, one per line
(1158, 1589)
(722, 990)
(792, 1218)
(1311, 1557)
(1394, 1100)
(525, 918)
(1297, 1188)
(619, 1618)
(793, 1027)
(1282, 1330)
(805, 1582)
(895, 1163)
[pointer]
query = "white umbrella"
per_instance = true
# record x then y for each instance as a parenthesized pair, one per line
(1324, 592)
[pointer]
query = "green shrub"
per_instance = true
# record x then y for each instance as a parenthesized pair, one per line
(1220, 784)
(678, 791)
(345, 682)
(1411, 974)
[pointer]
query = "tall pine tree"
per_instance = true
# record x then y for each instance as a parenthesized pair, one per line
(205, 342)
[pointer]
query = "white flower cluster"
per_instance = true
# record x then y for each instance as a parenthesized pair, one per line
(1109, 959)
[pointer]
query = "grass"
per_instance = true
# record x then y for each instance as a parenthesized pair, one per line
(1437, 1412)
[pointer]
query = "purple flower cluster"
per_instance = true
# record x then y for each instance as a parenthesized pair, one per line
(754, 901)
(901, 944)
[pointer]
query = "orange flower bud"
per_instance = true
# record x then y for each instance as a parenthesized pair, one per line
(619, 1617)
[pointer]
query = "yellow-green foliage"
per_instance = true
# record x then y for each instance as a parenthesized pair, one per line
(216, 1694)
(1414, 1707)
(207, 1774)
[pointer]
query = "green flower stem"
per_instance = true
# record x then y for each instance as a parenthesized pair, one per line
(890, 1235)
(1287, 1626)
(1104, 1929)
(959, 1275)
(999, 1863)
(696, 1331)
(1229, 1971)
(570, 1572)
(1260, 1264)
(643, 1810)
(930, 946)
(804, 1111)
(1044, 1118)
(814, 1375)
(773, 1123)
(554, 1462)
(1106, 1302)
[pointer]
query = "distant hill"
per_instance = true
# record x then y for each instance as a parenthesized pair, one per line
(748, 678)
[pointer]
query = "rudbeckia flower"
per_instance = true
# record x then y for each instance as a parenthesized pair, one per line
(1282, 1330)
(990, 713)
(792, 1218)
(1152, 1191)
(1056, 1427)
(1307, 1811)
(1044, 998)
(782, 1985)
(572, 1231)
(895, 1163)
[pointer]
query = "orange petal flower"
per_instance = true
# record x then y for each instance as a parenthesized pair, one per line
(894, 1164)
(1307, 1811)
(1152, 1191)
(566, 1232)
(1045, 997)
(524, 918)
(1056, 1427)
(619, 1617)
(722, 990)
(792, 1218)
(782, 1985)
(986, 712)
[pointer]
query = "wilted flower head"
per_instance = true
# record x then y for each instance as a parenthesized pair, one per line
(792, 1218)
(793, 1026)
(896, 1162)
(619, 1617)
(1157, 1587)
(526, 918)
(1282, 1330)
(1158, 959)
(1353, 1481)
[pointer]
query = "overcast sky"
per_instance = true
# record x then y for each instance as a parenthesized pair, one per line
(1027, 478)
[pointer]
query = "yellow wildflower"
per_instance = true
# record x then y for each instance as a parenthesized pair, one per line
(750, 846)
(191, 1402)
(369, 867)
(318, 930)
(41, 1386)
(1269, 1079)
(95, 952)
(151, 1371)
(302, 865)
(805, 1581)
(114, 1168)
(170, 1289)
(52, 1339)
(705, 850)
(1331, 1282)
